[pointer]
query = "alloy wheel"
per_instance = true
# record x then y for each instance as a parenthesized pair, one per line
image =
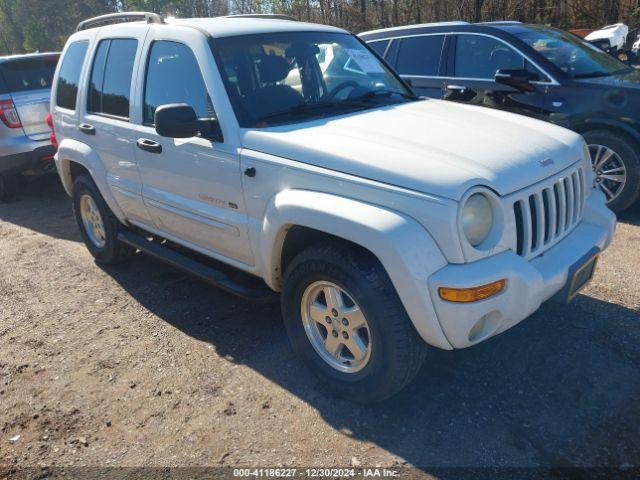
(609, 170)
(336, 327)
(92, 221)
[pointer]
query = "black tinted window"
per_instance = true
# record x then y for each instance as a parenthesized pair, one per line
(29, 74)
(69, 75)
(111, 79)
(97, 75)
(480, 57)
(173, 76)
(379, 46)
(420, 55)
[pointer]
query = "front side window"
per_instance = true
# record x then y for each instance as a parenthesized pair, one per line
(420, 55)
(280, 78)
(574, 56)
(69, 76)
(110, 84)
(480, 57)
(173, 76)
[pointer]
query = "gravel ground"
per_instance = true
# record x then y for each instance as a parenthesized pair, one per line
(143, 365)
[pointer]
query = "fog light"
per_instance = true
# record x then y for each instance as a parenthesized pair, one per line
(466, 295)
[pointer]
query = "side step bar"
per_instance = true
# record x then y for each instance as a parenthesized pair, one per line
(209, 274)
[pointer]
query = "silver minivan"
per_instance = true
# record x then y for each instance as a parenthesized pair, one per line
(25, 143)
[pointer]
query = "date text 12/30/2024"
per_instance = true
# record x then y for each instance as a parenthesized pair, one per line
(314, 472)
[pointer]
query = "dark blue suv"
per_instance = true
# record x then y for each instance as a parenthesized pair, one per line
(532, 70)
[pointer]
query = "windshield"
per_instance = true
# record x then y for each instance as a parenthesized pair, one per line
(574, 56)
(279, 78)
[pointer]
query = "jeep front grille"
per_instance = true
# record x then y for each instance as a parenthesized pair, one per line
(549, 213)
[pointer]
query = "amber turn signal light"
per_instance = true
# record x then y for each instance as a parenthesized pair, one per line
(466, 295)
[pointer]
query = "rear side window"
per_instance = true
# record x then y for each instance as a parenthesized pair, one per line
(29, 74)
(420, 55)
(69, 76)
(480, 57)
(379, 47)
(173, 76)
(111, 74)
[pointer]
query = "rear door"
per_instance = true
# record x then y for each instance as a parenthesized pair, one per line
(28, 81)
(420, 60)
(105, 123)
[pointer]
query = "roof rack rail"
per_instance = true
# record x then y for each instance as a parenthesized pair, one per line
(148, 17)
(271, 16)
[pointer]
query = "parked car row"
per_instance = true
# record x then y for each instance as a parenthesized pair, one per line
(294, 156)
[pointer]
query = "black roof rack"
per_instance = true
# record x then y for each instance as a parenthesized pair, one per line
(271, 16)
(148, 17)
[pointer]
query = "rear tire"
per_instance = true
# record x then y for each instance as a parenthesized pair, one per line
(8, 187)
(395, 350)
(626, 153)
(98, 226)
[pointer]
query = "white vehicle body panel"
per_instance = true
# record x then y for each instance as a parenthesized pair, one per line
(389, 179)
(616, 34)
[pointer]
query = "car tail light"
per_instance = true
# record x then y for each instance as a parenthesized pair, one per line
(9, 114)
(52, 135)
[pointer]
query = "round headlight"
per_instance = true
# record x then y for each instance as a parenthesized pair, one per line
(477, 218)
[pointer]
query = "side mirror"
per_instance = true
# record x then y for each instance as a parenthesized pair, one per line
(176, 120)
(518, 78)
(179, 120)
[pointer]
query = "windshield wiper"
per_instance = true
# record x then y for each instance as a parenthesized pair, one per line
(382, 92)
(592, 75)
(309, 108)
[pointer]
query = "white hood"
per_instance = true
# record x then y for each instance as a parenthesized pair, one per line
(432, 146)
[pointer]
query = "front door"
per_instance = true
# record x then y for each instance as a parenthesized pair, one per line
(191, 187)
(476, 58)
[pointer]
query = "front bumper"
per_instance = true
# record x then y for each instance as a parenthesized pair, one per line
(529, 283)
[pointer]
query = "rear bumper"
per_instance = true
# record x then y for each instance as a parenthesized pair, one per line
(529, 283)
(39, 159)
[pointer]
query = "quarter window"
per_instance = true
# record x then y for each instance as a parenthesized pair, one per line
(69, 76)
(110, 85)
(480, 57)
(420, 55)
(379, 46)
(173, 76)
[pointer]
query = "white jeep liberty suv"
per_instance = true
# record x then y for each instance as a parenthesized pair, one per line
(386, 222)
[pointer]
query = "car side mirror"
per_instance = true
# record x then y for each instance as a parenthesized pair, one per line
(179, 120)
(518, 78)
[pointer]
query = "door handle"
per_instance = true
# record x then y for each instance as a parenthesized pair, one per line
(86, 128)
(149, 145)
(457, 88)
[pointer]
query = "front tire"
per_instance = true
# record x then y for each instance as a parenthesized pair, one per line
(616, 163)
(98, 226)
(344, 318)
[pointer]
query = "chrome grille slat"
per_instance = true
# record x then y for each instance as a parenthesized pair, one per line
(546, 214)
(526, 223)
(562, 197)
(540, 220)
(551, 199)
(570, 201)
